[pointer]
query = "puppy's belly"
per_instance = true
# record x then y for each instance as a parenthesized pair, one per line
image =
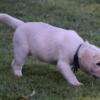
(44, 56)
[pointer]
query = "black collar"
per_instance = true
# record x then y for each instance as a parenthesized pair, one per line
(76, 60)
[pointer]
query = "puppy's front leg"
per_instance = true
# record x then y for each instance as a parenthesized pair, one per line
(66, 71)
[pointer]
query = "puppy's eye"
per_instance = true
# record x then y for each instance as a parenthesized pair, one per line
(98, 63)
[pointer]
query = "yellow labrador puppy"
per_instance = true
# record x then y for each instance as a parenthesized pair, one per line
(53, 45)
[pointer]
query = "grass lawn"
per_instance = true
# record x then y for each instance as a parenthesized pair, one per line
(80, 15)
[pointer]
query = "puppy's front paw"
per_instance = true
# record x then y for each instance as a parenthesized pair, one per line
(77, 83)
(18, 73)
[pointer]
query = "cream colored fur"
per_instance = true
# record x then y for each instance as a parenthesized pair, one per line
(51, 44)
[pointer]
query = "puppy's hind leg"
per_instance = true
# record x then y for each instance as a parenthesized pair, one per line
(65, 69)
(20, 53)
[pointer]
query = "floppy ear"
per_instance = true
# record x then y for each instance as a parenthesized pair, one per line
(85, 49)
(86, 57)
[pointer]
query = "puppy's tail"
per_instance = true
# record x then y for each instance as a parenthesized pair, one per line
(11, 21)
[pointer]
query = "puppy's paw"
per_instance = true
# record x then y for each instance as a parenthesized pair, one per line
(18, 73)
(77, 84)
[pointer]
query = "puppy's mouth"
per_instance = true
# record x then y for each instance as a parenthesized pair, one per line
(96, 76)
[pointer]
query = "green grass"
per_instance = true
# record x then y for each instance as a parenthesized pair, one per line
(80, 15)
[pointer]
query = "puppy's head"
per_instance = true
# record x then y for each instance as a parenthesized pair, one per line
(89, 59)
